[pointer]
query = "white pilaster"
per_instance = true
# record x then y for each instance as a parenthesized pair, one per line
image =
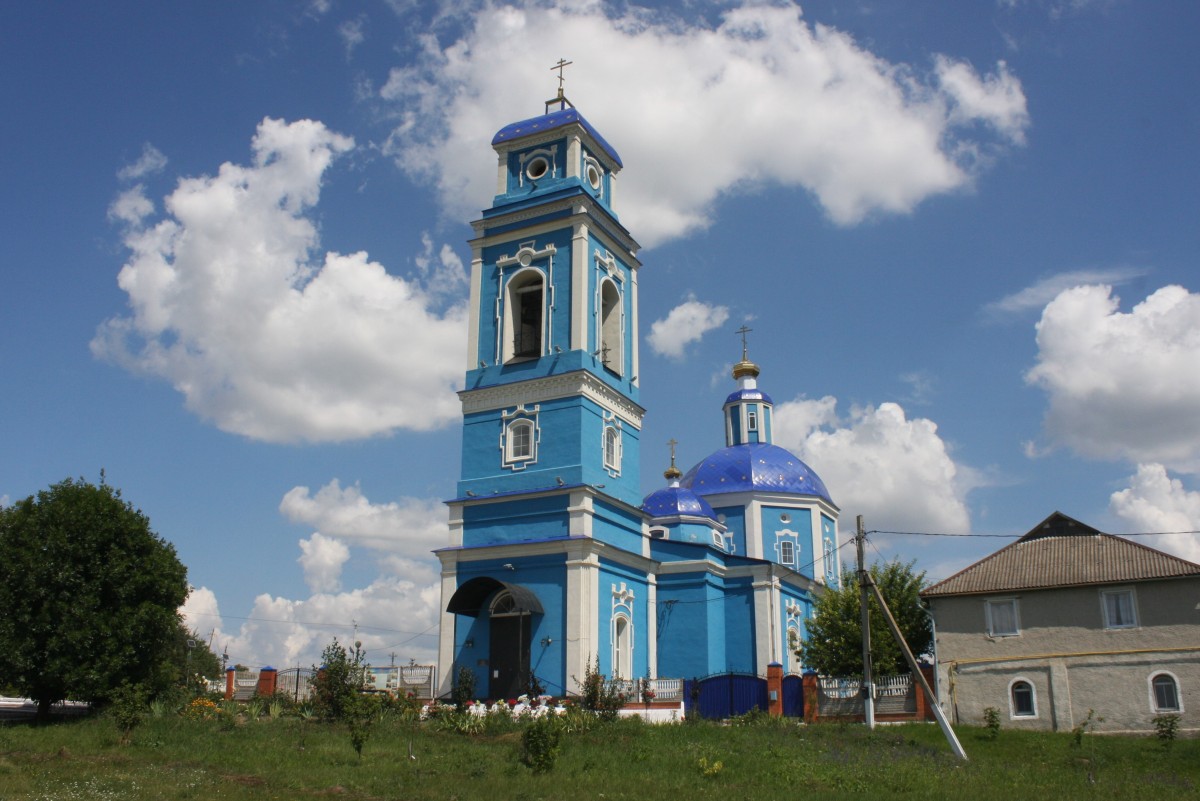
(579, 285)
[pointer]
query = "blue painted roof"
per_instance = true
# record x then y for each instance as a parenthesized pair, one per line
(547, 122)
(674, 501)
(749, 395)
(754, 466)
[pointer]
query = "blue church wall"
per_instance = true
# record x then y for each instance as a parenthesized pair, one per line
(739, 626)
(735, 524)
(614, 573)
(691, 625)
(793, 595)
(617, 526)
(518, 520)
(623, 484)
(801, 523)
(545, 575)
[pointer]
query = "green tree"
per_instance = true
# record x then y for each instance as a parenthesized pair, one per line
(833, 646)
(339, 680)
(191, 660)
(90, 596)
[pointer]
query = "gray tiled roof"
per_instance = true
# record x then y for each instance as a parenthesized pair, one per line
(1061, 552)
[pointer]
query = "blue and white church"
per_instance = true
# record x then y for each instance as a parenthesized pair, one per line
(555, 559)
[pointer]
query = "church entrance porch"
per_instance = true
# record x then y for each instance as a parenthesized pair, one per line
(508, 652)
(508, 611)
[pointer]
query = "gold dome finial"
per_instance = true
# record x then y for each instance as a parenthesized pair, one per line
(672, 472)
(745, 367)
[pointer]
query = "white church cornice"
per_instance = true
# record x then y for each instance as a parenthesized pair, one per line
(555, 387)
(603, 224)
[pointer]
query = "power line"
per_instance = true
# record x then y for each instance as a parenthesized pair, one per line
(1015, 536)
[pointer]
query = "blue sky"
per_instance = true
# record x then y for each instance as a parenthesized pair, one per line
(964, 236)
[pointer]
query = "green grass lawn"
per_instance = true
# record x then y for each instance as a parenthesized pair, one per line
(174, 758)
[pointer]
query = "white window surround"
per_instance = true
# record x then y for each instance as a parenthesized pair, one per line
(525, 160)
(1013, 713)
(621, 631)
(787, 540)
(611, 448)
(1154, 695)
(519, 438)
(1003, 617)
(610, 324)
(1118, 608)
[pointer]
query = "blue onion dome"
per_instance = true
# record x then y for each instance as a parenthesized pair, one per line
(676, 501)
(754, 466)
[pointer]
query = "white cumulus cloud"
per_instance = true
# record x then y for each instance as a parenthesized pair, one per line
(896, 472)
(1037, 295)
(397, 610)
(151, 161)
(322, 559)
(1156, 502)
(229, 305)
(683, 325)
(760, 97)
(1122, 385)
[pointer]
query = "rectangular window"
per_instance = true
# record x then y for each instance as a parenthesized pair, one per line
(1118, 609)
(1002, 618)
(787, 552)
(752, 421)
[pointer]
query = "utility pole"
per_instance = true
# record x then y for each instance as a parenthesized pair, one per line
(919, 677)
(864, 591)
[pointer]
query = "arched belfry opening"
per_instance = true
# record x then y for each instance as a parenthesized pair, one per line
(510, 609)
(611, 352)
(525, 306)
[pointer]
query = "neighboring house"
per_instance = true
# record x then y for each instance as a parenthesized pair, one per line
(556, 561)
(1067, 620)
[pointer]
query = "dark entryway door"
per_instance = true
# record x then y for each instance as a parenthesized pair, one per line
(508, 656)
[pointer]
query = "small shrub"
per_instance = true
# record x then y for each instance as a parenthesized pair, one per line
(201, 709)
(604, 697)
(540, 744)
(1166, 728)
(128, 708)
(991, 720)
(255, 708)
(1083, 727)
(463, 691)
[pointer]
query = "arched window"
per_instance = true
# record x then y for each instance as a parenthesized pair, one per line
(525, 304)
(622, 656)
(1165, 693)
(612, 448)
(611, 355)
(520, 442)
(1024, 701)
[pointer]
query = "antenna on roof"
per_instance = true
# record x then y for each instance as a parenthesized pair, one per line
(561, 99)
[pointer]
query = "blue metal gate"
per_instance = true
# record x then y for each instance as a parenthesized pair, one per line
(793, 696)
(724, 695)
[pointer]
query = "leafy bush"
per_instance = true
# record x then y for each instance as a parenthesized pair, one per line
(604, 697)
(540, 744)
(1166, 728)
(991, 720)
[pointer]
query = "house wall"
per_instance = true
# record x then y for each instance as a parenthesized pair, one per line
(1070, 659)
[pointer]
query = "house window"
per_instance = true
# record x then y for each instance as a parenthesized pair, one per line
(622, 657)
(523, 325)
(1118, 609)
(1024, 701)
(1165, 693)
(1002, 618)
(787, 552)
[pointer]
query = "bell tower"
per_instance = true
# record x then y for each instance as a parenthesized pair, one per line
(546, 530)
(551, 395)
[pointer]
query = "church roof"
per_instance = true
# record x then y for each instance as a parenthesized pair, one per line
(749, 395)
(754, 466)
(1062, 552)
(675, 502)
(548, 122)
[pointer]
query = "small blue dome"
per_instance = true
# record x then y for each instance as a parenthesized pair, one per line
(676, 501)
(754, 466)
(749, 395)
